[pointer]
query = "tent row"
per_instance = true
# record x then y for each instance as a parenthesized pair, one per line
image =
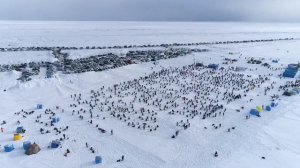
(29, 148)
(33, 148)
(260, 109)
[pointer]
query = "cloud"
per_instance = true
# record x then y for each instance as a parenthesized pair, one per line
(151, 10)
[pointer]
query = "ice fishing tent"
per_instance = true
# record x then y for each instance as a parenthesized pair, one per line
(55, 144)
(17, 137)
(26, 145)
(254, 112)
(20, 130)
(259, 108)
(33, 149)
(39, 106)
(268, 108)
(55, 119)
(98, 159)
(291, 71)
(9, 148)
(213, 66)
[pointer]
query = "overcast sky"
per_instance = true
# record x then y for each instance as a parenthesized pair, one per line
(152, 10)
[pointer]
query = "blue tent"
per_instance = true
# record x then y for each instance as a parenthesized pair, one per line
(55, 144)
(9, 148)
(26, 145)
(213, 66)
(19, 129)
(55, 119)
(98, 159)
(268, 108)
(254, 112)
(39, 106)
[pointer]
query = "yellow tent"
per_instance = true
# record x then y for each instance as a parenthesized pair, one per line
(259, 108)
(17, 137)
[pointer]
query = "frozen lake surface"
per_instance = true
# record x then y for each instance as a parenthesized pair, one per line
(274, 135)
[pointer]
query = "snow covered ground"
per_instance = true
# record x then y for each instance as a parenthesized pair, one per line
(273, 136)
(18, 57)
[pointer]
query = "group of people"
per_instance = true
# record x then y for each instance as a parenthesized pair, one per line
(187, 91)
